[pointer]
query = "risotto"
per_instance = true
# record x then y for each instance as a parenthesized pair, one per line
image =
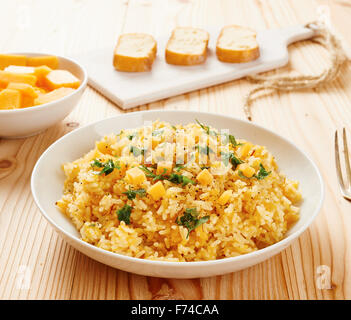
(179, 193)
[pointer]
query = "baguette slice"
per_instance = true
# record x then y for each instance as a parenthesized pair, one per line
(187, 46)
(135, 52)
(237, 44)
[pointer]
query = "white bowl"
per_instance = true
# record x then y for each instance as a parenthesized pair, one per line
(19, 123)
(47, 185)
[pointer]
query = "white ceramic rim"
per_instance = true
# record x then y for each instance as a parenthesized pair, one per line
(253, 254)
(41, 106)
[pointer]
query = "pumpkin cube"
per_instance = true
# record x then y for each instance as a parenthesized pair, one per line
(10, 99)
(11, 59)
(41, 73)
(135, 176)
(157, 191)
(26, 101)
(7, 77)
(61, 78)
(246, 169)
(24, 88)
(225, 196)
(164, 167)
(244, 150)
(49, 61)
(204, 177)
(52, 96)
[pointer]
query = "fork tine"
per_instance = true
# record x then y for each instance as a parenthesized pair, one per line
(347, 159)
(337, 163)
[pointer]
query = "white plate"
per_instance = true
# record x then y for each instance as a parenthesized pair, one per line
(47, 185)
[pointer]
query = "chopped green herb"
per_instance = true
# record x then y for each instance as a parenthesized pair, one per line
(155, 177)
(174, 128)
(107, 167)
(206, 129)
(96, 163)
(204, 150)
(131, 194)
(180, 179)
(131, 136)
(233, 141)
(124, 214)
(148, 172)
(262, 173)
(205, 167)
(230, 138)
(190, 221)
(174, 178)
(121, 132)
(179, 167)
(161, 176)
(157, 133)
(136, 151)
(226, 157)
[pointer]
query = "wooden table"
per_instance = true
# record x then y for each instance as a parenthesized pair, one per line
(35, 263)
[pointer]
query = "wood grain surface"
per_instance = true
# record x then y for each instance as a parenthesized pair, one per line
(35, 263)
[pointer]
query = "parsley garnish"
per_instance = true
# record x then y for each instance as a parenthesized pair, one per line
(204, 150)
(180, 179)
(136, 151)
(226, 157)
(131, 136)
(155, 177)
(206, 129)
(233, 141)
(179, 167)
(124, 214)
(262, 173)
(190, 221)
(131, 194)
(96, 163)
(107, 167)
(174, 178)
(174, 128)
(230, 138)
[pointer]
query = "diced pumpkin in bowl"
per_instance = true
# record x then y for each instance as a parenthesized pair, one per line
(24, 88)
(49, 61)
(10, 99)
(12, 59)
(33, 81)
(7, 77)
(61, 78)
(53, 95)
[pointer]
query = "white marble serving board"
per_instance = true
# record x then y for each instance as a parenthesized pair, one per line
(128, 90)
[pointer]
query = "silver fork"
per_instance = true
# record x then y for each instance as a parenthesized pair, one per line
(345, 187)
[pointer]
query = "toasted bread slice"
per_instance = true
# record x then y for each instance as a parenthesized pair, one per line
(237, 44)
(135, 52)
(187, 46)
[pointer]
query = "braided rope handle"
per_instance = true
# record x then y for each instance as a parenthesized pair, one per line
(289, 83)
